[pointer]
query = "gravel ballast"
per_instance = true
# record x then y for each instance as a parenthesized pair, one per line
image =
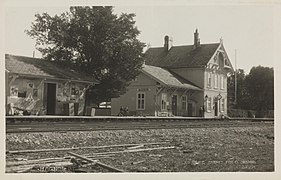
(195, 150)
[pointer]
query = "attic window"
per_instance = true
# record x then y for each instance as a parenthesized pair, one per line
(221, 60)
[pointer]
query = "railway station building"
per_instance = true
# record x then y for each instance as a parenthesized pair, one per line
(188, 80)
(38, 87)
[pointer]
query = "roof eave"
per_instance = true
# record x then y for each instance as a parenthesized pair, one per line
(188, 67)
(181, 87)
(55, 78)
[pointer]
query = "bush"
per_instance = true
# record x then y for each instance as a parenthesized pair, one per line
(237, 113)
(250, 113)
(270, 113)
(266, 114)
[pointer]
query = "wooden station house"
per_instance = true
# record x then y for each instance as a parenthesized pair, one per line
(188, 80)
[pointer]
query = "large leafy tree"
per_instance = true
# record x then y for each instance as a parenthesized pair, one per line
(255, 90)
(242, 93)
(260, 86)
(95, 41)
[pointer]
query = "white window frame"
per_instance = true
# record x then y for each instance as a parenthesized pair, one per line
(216, 81)
(209, 80)
(222, 102)
(222, 82)
(184, 101)
(209, 104)
(140, 99)
(163, 101)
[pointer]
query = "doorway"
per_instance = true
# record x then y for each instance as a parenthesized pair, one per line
(174, 105)
(189, 109)
(216, 108)
(50, 97)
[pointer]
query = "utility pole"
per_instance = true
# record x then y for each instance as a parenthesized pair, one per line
(235, 79)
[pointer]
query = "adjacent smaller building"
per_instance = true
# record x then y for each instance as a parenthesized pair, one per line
(39, 87)
(156, 92)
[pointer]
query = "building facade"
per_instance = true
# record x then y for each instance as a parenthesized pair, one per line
(39, 87)
(158, 92)
(188, 80)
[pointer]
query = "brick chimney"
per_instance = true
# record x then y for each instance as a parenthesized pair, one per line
(196, 39)
(168, 43)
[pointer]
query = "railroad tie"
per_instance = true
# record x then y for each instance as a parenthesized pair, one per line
(96, 162)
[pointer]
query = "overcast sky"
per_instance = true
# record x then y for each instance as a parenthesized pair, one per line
(249, 29)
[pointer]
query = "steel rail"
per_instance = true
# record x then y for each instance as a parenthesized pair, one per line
(65, 127)
(15, 119)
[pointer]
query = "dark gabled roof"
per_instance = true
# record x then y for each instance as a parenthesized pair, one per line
(181, 56)
(43, 68)
(168, 78)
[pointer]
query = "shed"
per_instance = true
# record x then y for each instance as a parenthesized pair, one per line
(40, 87)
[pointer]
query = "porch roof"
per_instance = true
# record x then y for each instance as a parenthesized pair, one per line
(168, 78)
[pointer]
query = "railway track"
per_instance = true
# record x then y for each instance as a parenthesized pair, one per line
(114, 152)
(46, 164)
(74, 124)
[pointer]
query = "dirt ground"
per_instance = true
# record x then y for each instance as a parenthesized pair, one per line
(230, 149)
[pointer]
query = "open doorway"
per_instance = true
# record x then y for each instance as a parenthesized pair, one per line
(216, 108)
(50, 90)
(189, 109)
(174, 105)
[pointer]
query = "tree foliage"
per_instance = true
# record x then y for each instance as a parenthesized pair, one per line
(95, 41)
(260, 86)
(255, 91)
(242, 94)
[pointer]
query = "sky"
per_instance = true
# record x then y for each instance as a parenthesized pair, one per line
(250, 29)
